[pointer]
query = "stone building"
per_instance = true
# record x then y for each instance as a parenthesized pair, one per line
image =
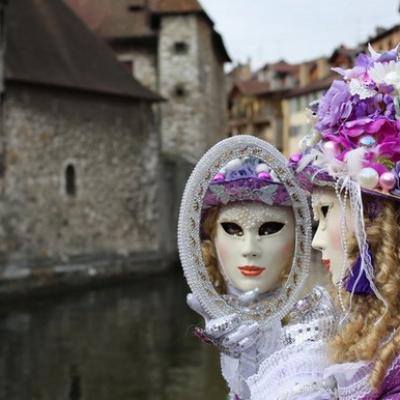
(80, 165)
(255, 109)
(255, 104)
(280, 75)
(170, 46)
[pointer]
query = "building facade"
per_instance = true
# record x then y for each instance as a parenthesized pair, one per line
(254, 109)
(80, 177)
(255, 104)
(385, 39)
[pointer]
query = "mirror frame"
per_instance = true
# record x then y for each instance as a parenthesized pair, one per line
(189, 224)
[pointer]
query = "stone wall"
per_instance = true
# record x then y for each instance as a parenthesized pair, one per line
(212, 85)
(179, 83)
(111, 147)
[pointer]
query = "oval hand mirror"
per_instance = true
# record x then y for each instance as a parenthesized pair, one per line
(244, 227)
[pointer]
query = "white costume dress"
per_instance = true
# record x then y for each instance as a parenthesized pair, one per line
(291, 358)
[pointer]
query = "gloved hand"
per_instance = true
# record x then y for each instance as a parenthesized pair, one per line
(231, 335)
(243, 344)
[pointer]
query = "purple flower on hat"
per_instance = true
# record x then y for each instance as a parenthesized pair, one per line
(380, 104)
(381, 127)
(358, 114)
(334, 108)
(360, 70)
(387, 56)
(383, 132)
(353, 73)
(364, 61)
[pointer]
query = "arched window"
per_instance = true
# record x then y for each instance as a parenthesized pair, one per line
(70, 180)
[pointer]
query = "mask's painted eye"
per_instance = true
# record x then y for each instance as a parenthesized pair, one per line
(324, 210)
(269, 228)
(232, 229)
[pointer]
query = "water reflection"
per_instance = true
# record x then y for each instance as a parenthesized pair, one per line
(116, 344)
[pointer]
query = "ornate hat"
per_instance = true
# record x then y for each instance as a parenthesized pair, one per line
(356, 132)
(354, 144)
(246, 179)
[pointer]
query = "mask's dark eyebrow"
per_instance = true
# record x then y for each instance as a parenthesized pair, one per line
(228, 220)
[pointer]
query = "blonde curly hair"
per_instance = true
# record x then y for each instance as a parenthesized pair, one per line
(371, 324)
(209, 226)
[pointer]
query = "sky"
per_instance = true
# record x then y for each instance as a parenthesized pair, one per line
(296, 30)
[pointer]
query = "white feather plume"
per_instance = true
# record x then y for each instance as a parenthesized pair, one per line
(354, 161)
(308, 159)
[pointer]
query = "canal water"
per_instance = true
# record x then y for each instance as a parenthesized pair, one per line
(124, 343)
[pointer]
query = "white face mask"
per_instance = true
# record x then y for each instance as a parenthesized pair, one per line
(328, 212)
(254, 244)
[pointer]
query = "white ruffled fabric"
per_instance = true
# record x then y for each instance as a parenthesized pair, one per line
(288, 363)
(294, 373)
(352, 379)
(237, 370)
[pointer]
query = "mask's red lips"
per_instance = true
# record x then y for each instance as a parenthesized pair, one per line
(327, 264)
(251, 270)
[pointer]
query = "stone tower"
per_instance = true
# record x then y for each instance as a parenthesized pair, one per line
(190, 60)
(170, 46)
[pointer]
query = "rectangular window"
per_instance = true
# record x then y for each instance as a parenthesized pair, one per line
(135, 8)
(293, 131)
(181, 48)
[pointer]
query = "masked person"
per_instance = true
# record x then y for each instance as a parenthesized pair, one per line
(248, 242)
(350, 162)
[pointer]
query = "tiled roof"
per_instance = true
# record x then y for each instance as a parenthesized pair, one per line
(348, 52)
(281, 66)
(315, 86)
(285, 68)
(252, 87)
(132, 19)
(112, 19)
(48, 44)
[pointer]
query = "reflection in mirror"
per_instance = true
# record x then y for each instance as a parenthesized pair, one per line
(244, 233)
(244, 240)
(247, 230)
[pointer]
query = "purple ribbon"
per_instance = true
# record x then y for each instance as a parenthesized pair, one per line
(357, 281)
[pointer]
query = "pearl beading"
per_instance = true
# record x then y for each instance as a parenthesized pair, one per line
(252, 215)
(343, 240)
